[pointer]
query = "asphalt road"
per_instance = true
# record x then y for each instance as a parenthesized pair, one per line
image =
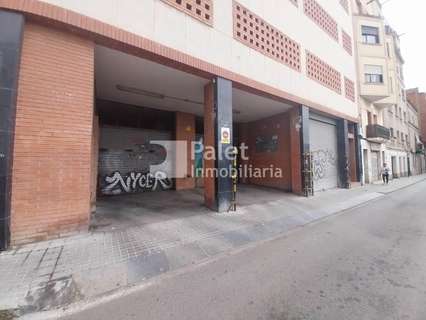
(366, 263)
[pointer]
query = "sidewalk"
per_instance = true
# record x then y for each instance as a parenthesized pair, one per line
(58, 272)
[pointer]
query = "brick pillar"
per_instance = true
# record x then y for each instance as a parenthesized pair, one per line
(53, 136)
(185, 131)
(296, 151)
(11, 30)
(353, 153)
(209, 142)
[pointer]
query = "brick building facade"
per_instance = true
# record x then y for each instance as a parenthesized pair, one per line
(418, 99)
(94, 88)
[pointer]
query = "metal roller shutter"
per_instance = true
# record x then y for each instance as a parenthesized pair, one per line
(323, 140)
(125, 158)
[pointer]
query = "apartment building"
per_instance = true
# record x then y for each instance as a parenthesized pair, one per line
(396, 118)
(417, 104)
(375, 87)
(88, 85)
(383, 104)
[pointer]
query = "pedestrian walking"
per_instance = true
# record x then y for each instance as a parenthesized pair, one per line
(385, 173)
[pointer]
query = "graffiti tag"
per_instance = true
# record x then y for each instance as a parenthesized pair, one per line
(322, 160)
(134, 181)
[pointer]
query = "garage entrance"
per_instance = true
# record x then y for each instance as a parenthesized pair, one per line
(126, 151)
(141, 106)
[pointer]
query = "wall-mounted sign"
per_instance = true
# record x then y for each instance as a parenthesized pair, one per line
(225, 135)
(267, 143)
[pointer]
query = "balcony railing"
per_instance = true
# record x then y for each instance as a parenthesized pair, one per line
(376, 131)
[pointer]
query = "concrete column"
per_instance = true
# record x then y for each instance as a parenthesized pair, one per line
(217, 124)
(223, 104)
(11, 32)
(343, 151)
(359, 167)
(305, 149)
(185, 131)
(95, 160)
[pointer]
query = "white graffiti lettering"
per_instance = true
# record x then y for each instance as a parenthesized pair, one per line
(134, 181)
(322, 161)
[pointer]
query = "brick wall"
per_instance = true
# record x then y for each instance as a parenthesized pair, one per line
(275, 126)
(185, 131)
(295, 150)
(52, 152)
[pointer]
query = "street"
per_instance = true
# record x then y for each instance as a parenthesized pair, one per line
(366, 263)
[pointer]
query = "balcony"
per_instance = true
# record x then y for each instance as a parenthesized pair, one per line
(388, 102)
(374, 92)
(377, 133)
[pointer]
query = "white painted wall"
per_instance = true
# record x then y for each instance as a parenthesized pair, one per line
(160, 22)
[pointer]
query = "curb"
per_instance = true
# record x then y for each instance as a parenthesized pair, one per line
(75, 307)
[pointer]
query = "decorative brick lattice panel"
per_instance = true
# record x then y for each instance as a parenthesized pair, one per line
(350, 89)
(294, 2)
(199, 9)
(318, 14)
(256, 33)
(323, 73)
(347, 42)
(345, 5)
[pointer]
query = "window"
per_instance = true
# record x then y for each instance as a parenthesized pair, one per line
(373, 74)
(370, 35)
(392, 133)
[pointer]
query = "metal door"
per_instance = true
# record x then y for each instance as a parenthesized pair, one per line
(375, 166)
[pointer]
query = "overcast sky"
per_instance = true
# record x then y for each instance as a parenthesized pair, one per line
(407, 17)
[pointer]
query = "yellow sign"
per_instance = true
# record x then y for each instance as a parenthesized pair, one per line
(225, 135)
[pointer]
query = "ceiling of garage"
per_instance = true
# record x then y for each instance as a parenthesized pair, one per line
(128, 79)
